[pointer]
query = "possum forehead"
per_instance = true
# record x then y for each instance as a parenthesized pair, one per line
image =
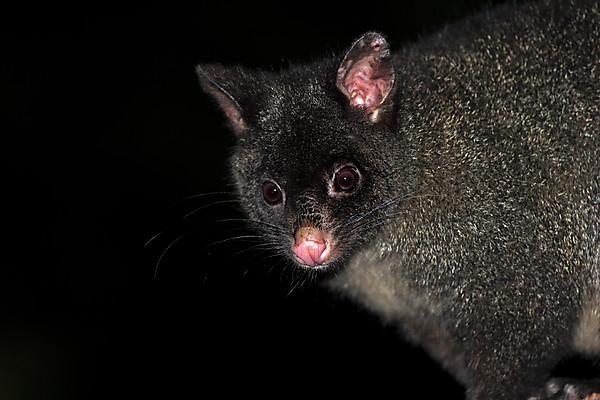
(317, 133)
(294, 105)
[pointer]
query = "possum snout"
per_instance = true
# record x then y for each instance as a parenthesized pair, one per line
(312, 246)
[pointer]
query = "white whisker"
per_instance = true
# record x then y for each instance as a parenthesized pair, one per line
(165, 251)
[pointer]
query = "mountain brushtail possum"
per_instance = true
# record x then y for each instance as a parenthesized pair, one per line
(451, 186)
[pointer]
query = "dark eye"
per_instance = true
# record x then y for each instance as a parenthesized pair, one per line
(345, 179)
(272, 193)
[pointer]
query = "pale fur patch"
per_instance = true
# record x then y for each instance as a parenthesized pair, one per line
(587, 332)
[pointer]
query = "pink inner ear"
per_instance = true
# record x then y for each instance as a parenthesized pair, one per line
(231, 109)
(364, 89)
(366, 75)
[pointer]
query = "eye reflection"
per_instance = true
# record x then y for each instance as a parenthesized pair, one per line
(272, 193)
(346, 179)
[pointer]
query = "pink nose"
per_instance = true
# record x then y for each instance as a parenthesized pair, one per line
(312, 246)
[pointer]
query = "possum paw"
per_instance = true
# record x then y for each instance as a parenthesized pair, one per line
(569, 389)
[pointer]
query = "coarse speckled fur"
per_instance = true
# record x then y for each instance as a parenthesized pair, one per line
(491, 145)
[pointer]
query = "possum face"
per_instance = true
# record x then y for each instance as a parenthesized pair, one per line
(311, 198)
(308, 164)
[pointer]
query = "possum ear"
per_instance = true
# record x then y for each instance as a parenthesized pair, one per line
(366, 76)
(232, 88)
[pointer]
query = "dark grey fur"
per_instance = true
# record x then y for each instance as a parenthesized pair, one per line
(489, 254)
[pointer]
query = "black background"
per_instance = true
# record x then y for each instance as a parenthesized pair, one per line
(108, 134)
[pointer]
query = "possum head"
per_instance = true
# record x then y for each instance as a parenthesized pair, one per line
(312, 164)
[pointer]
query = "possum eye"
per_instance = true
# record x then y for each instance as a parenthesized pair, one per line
(272, 193)
(345, 179)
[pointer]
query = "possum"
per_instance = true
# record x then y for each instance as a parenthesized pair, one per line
(451, 187)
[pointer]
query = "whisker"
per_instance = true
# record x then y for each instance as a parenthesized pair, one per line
(396, 200)
(212, 204)
(294, 286)
(383, 205)
(165, 251)
(153, 238)
(219, 242)
(259, 246)
(190, 213)
(268, 256)
(301, 282)
(202, 195)
(248, 220)
(378, 221)
(377, 218)
(267, 234)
